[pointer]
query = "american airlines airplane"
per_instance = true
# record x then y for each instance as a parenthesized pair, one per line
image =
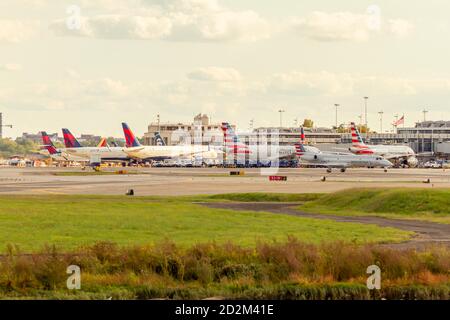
(343, 161)
(95, 155)
(135, 150)
(233, 146)
(404, 154)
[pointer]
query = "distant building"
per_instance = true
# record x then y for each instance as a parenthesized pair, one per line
(201, 129)
(37, 138)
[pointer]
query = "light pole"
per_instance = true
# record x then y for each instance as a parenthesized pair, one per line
(281, 111)
(365, 110)
(252, 122)
(337, 106)
(158, 119)
(381, 121)
(425, 115)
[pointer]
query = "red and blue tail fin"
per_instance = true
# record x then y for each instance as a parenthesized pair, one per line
(69, 139)
(48, 144)
(131, 140)
(302, 136)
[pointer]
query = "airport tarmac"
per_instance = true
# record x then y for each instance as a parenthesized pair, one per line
(194, 181)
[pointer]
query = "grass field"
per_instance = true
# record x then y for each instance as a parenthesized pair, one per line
(73, 221)
(421, 204)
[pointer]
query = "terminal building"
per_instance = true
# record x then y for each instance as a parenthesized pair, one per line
(201, 129)
(424, 137)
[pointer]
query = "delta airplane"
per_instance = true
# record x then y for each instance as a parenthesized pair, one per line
(95, 155)
(404, 154)
(58, 154)
(134, 149)
(313, 156)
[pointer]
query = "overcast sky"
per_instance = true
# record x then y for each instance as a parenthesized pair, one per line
(236, 60)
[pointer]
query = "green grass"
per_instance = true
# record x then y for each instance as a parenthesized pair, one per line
(72, 221)
(422, 204)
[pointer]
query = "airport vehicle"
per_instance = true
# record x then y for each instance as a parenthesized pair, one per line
(95, 155)
(339, 160)
(136, 150)
(403, 155)
(58, 154)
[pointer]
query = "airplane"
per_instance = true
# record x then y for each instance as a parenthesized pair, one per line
(136, 150)
(159, 140)
(233, 146)
(95, 155)
(58, 154)
(342, 161)
(403, 154)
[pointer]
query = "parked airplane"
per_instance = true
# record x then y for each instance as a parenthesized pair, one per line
(339, 160)
(96, 155)
(134, 149)
(403, 154)
(233, 146)
(159, 140)
(58, 154)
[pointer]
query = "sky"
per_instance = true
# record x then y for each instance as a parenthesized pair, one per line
(91, 64)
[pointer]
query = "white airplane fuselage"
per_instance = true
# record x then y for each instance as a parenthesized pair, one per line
(103, 153)
(168, 152)
(344, 160)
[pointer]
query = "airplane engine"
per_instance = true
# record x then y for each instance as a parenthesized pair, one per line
(412, 162)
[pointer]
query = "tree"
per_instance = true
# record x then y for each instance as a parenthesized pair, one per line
(308, 123)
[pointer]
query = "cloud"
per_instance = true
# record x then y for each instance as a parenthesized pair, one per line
(15, 31)
(176, 20)
(10, 67)
(348, 26)
(215, 74)
(400, 28)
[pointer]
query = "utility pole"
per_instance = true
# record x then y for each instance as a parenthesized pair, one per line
(337, 106)
(281, 111)
(381, 121)
(2, 125)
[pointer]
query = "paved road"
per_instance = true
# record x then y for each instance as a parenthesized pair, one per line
(427, 233)
(193, 181)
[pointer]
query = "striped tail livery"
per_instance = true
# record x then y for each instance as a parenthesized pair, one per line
(358, 145)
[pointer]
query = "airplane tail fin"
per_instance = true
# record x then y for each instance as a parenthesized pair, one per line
(48, 144)
(103, 143)
(302, 136)
(357, 140)
(232, 141)
(159, 140)
(69, 139)
(299, 149)
(130, 138)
